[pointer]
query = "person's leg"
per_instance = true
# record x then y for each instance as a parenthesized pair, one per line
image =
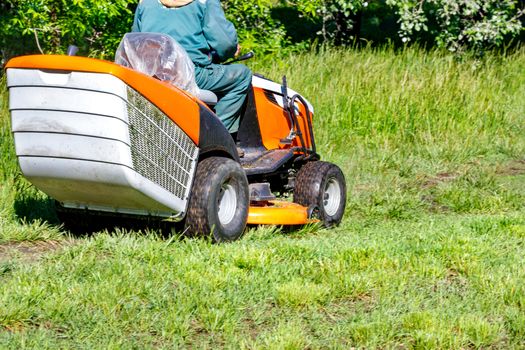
(231, 83)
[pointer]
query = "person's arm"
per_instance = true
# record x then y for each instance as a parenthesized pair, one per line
(136, 22)
(218, 31)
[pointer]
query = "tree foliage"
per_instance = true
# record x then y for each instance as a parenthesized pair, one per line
(453, 24)
(255, 26)
(460, 24)
(97, 26)
(94, 25)
(336, 16)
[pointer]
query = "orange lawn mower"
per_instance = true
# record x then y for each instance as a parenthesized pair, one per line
(138, 139)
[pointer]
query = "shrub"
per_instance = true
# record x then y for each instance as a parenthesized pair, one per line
(460, 24)
(96, 26)
(336, 16)
(255, 26)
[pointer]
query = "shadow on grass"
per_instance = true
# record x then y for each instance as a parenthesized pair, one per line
(84, 223)
(31, 207)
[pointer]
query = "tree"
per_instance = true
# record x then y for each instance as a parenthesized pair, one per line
(460, 24)
(96, 26)
(255, 26)
(338, 17)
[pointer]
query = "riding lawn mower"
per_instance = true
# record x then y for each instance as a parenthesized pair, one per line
(103, 138)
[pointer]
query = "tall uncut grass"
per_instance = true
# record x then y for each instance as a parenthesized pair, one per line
(430, 254)
(414, 102)
(396, 120)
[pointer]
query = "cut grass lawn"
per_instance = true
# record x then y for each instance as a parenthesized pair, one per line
(430, 254)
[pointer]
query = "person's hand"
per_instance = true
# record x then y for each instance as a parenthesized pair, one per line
(238, 50)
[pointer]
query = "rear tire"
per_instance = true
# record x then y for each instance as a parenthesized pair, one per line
(219, 200)
(323, 185)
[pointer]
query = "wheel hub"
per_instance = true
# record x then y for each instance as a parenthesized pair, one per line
(227, 204)
(332, 197)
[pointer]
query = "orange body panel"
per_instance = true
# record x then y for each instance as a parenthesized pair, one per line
(179, 106)
(275, 125)
(279, 213)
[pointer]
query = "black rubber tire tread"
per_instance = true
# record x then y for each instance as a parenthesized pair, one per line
(202, 214)
(310, 183)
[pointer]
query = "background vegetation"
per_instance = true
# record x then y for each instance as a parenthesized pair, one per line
(430, 254)
(272, 26)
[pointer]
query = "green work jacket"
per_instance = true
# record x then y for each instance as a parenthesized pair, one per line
(200, 27)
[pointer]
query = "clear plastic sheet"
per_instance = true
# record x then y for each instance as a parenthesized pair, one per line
(158, 55)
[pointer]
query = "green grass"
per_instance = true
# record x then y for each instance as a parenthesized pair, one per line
(430, 254)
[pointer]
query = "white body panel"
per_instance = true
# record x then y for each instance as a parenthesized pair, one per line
(73, 141)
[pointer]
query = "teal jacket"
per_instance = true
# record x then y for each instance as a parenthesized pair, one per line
(200, 27)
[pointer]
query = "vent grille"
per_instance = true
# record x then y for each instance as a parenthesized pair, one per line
(160, 150)
(271, 96)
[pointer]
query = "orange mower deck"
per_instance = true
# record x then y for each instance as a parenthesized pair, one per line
(279, 213)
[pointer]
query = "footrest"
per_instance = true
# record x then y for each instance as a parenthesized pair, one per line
(267, 162)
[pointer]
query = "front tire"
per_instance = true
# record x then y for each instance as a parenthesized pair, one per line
(219, 200)
(322, 185)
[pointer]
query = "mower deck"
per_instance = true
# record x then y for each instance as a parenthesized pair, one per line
(279, 213)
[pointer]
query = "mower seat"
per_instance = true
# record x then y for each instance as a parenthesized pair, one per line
(207, 97)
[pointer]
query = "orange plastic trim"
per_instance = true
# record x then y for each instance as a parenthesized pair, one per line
(274, 123)
(175, 103)
(279, 213)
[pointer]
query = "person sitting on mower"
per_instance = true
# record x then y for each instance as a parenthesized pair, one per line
(202, 29)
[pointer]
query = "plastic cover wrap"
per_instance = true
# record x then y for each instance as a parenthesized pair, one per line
(160, 56)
